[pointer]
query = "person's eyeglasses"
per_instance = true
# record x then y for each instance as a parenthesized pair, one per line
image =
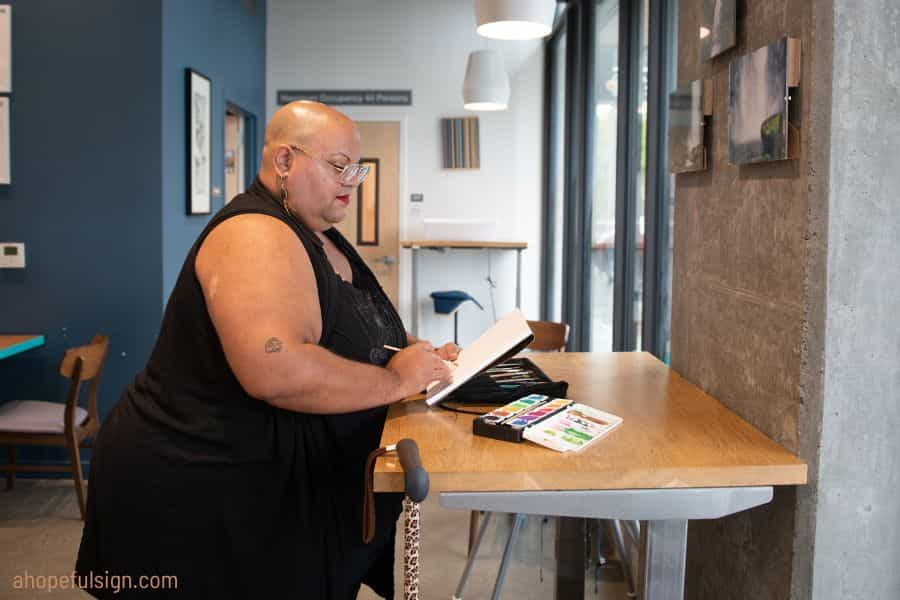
(349, 175)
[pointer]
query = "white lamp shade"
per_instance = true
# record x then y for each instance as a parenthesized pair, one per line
(487, 85)
(515, 19)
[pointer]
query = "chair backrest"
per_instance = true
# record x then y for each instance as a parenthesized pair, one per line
(549, 336)
(92, 357)
(80, 364)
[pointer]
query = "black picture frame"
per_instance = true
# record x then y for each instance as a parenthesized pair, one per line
(198, 142)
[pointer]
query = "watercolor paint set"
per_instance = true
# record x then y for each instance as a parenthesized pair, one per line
(556, 423)
(509, 422)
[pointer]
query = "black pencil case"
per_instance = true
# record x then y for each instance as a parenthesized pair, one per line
(483, 389)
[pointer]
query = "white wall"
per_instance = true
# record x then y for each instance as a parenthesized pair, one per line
(423, 45)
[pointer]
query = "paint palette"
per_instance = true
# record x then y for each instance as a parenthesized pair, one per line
(510, 421)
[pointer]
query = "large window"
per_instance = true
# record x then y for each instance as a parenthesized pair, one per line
(607, 253)
(603, 218)
(556, 184)
(640, 117)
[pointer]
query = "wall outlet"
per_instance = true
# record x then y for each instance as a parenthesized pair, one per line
(12, 255)
(417, 197)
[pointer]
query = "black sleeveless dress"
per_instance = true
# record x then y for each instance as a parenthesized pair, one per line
(193, 478)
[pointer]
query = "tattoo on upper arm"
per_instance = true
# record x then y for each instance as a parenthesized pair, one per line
(273, 344)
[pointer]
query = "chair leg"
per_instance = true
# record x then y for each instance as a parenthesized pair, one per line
(75, 457)
(10, 474)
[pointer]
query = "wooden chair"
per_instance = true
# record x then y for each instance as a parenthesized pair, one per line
(548, 337)
(38, 423)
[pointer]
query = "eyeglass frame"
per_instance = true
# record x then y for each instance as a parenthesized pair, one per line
(341, 171)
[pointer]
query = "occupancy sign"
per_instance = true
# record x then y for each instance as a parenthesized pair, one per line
(349, 97)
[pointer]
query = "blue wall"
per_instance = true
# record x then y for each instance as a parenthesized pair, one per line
(225, 42)
(85, 190)
(98, 171)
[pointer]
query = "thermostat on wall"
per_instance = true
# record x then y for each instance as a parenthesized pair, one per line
(12, 255)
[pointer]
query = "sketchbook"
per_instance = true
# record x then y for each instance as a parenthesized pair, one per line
(505, 339)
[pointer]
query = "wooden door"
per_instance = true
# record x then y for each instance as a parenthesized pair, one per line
(372, 223)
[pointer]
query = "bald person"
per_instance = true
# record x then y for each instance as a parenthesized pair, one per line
(233, 465)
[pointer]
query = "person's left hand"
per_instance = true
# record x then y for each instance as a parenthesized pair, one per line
(448, 351)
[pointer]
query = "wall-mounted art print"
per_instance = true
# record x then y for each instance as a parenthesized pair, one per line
(689, 105)
(199, 142)
(367, 205)
(5, 48)
(5, 172)
(718, 28)
(460, 143)
(758, 100)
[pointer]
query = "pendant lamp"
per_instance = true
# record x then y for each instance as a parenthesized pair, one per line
(487, 85)
(515, 19)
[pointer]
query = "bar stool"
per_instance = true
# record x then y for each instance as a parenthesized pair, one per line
(450, 302)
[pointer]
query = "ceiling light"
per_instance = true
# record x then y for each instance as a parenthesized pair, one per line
(487, 85)
(515, 19)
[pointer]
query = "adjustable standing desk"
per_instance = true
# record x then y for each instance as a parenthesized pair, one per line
(679, 455)
(439, 245)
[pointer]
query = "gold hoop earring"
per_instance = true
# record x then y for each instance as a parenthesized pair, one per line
(284, 194)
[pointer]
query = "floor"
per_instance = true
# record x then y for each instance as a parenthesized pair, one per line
(40, 532)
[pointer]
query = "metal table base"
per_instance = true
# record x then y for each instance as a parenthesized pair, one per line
(666, 513)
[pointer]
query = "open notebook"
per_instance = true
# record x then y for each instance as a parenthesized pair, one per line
(507, 337)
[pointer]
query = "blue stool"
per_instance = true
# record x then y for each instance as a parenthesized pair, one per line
(449, 302)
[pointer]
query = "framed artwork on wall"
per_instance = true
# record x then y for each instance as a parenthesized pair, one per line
(5, 173)
(367, 205)
(199, 142)
(5, 49)
(759, 128)
(689, 105)
(460, 143)
(718, 28)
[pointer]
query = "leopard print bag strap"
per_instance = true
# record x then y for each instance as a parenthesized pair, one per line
(411, 550)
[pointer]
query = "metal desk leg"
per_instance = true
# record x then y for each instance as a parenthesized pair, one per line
(663, 551)
(507, 553)
(518, 278)
(615, 528)
(415, 290)
(473, 551)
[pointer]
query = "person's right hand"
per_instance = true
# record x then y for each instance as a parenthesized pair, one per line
(416, 366)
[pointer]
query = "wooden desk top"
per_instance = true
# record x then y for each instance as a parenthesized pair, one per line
(461, 244)
(13, 344)
(673, 436)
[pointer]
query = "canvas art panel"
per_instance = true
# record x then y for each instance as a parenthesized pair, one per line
(688, 106)
(758, 96)
(718, 28)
